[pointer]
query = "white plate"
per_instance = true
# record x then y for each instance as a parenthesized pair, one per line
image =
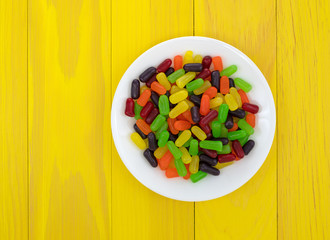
(231, 177)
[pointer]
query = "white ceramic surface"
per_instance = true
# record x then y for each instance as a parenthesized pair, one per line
(231, 177)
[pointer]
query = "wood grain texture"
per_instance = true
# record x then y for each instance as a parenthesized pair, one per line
(13, 120)
(69, 115)
(303, 119)
(249, 212)
(137, 212)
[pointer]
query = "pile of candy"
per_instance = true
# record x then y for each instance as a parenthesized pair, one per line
(192, 120)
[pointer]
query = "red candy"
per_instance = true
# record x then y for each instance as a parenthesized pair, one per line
(207, 60)
(209, 117)
(146, 110)
(164, 65)
(129, 109)
(223, 158)
(204, 74)
(238, 149)
(210, 153)
(152, 115)
(252, 108)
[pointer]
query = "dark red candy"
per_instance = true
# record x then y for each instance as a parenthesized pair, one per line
(146, 109)
(206, 128)
(210, 153)
(164, 65)
(238, 149)
(223, 158)
(204, 73)
(151, 80)
(209, 117)
(152, 115)
(209, 136)
(129, 109)
(207, 60)
(252, 108)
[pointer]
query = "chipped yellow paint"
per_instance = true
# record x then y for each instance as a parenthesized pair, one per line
(13, 121)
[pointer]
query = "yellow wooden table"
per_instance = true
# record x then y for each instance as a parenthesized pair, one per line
(61, 177)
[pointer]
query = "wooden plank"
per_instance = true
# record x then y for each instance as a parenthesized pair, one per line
(137, 212)
(303, 117)
(249, 212)
(69, 116)
(13, 120)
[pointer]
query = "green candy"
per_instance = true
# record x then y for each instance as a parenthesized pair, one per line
(163, 138)
(197, 176)
(243, 140)
(225, 149)
(211, 145)
(180, 167)
(193, 149)
(137, 110)
(236, 135)
(157, 123)
(176, 75)
(177, 154)
(223, 112)
(245, 86)
(163, 105)
(228, 71)
(195, 84)
(161, 129)
(187, 144)
(224, 131)
(242, 124)
(216, 129)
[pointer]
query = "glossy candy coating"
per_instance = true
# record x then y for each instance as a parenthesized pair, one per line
(251, 119)
(182, 125)
(195, 114)
(143, 126)
(169, 71)
(178, 96)
(174, 150)
(157, 123)
(215, 102)
(210, 153)
(162, 79)
(252, 108)
(164, 65)
(186, 158)
(217, 63)
(144, 97)
(158, 88)
(163, 105)
(235, 94)
(176, 75)
(213, 114)
(229, 122)
(198, 132)
(207, 60)
(228, 71)
(135, 89)
(197, 176)
(161, 129)
(243, 96)
(146, 75)
(151, 80)
(148, 154)
(205, 105)
(212, 145)
(177, 62)
(245, 86)
(187, 116)
(193, 67)
(195, 99)
(193, 148)
(180, 167)
(183, 138)
(231, 83)
(175, 89)
(160, 152)
(243, 140)
(194, 164)
(232, 104)
(223, 112)
(224, 85)
(146, 109)
(178, 109)
(137, 139)
(239, 113)
(129, 108)
(204, 167)
(171, 122)
(171, 173)
(238, 149)
(152, 141)
(215, 80)
(248, 147)
(205, 73)
(187, 144)
(211, 92)
(206, 128)
(163, 138)
(173, 137)
(188, 57)
(242, 124)
(185, 79)
(236, 135)
(210, 161)
(223, 158)
(226, 149)
(194, 84)
(152, 115)
(216, 129)
(224, 131)
(203, 88)
(198, 59)
(137, 129)
(154, 98)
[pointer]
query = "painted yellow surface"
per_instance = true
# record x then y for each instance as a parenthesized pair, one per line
(13, 121)
(61, 177)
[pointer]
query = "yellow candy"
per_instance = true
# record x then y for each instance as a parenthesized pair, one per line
(162, 79)
(160, 152)
(136, 138)
(185, 79)
(194, 164)
(143, 88)
(190, 103)
(198, 59)
(188, 57)
(146, 142)
(222, 165)
(178, 109)
(216, 102)
(175, 89)
(179, 96)
(202, 88)
(199, 133)
(221, 96)
(186, 158)
(230, 100)
(183, 138)
(235, 94)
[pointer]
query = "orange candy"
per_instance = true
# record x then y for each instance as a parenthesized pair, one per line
(158, 88)
(171, 122)
(171, 173)
(211, 92)
(144, 97)
(187, 116)
(188, 173)
(224, 85)
(177, 62)
(234, 128)
(217, 63)
(181, 117)
(244, 98)
(165, 160)
(251, 119)
(182, 125)
(205, 105)
(143, 126)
